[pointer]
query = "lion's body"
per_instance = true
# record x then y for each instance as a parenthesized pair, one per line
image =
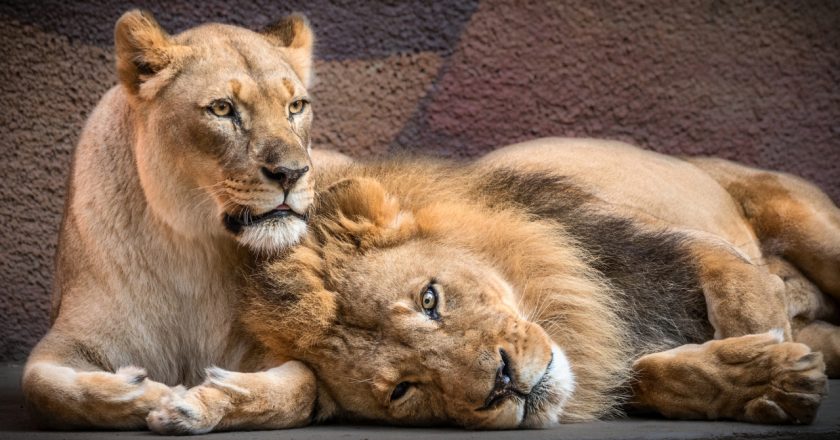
(109, 238)
(649, 187)
(172, 168)
(624, 259)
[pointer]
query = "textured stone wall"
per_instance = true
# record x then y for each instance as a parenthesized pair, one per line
(753, 81)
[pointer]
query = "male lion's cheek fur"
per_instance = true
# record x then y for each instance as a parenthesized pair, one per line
(544, 406)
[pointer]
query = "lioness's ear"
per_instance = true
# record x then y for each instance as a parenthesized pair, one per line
(359, 208)
(143, 49)
(295, 34)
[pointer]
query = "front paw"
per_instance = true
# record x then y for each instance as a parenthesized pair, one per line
(178, 416)
(795, 386)
(773, 382)
(282, 397)
(201, 409)
(754, 378)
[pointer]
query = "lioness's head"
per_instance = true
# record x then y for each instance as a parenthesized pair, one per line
(402, 326)
(222, 117)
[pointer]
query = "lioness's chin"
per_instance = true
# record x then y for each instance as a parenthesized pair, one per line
(544, 407)
(272, 235)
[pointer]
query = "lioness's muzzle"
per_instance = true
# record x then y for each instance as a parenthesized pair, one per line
(235, 223)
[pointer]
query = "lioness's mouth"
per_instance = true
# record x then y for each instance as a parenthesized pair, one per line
(235, 222)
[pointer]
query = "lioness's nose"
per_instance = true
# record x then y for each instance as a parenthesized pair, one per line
(286, 177)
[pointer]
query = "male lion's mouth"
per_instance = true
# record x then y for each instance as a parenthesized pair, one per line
(243, 219)
(533, 400)
(541, 394)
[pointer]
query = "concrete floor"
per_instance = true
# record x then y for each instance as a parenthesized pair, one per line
(14, 424)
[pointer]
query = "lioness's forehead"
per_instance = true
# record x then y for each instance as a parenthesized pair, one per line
(236, 48)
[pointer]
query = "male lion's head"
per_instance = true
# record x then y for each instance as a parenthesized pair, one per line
(221, 117)
(401, 325)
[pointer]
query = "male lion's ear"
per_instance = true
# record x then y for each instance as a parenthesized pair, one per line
(143, 49)
(360, 198)
(359, 208)
(295, 34)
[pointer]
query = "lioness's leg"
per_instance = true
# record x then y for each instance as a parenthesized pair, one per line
(789, 215)
(282, 397)
(754, 378)
(742, 297)
(66, 386)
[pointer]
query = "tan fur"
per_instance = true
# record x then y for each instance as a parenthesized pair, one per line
(754, 378)
(229, 400)
(147, 273)
(346, 302)
(790, 216)
(651, 187)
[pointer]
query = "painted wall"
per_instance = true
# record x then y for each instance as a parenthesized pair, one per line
(754, 81)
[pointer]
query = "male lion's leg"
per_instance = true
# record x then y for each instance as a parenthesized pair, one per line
(742, 297)
(754, 378)
(825, 338)
(789, 215)
(813, 314)
(282, 397)
(65, 389)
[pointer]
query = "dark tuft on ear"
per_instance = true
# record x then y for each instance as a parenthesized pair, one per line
(143, 48)
(294, 33)
(360, 212)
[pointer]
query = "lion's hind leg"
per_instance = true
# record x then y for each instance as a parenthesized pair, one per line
(754, 378)
(813, 314)
(790, 216)
(825, 338)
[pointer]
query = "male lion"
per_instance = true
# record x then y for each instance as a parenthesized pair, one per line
(551, 281)
(201, 148)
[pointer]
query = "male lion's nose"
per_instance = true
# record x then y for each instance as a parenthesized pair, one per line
(503, 386)
(286, 177)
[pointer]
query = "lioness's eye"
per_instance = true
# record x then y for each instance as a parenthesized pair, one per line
(400, 390)
(221, 108)
(429, 301)
(296, 106)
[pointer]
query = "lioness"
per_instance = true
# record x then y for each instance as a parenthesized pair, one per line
(201, 148)
(555, 280)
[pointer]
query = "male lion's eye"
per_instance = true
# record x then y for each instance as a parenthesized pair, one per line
(400, 390)
(429, 298)
(429, 301)
(221, 108)
(296, 106)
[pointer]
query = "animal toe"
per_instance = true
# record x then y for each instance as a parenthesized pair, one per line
(132, 375)
(175, 417)
(797, 386)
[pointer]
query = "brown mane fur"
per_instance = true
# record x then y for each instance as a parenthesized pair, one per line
(556, 286)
